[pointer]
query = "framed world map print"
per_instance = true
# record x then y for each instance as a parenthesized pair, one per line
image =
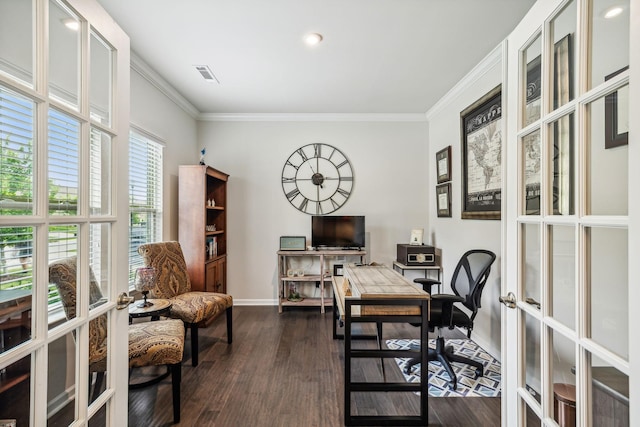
(481, 132)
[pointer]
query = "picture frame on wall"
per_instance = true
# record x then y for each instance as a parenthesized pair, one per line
(481, 134)
(616, 115)
(443, 200)
(443, 165)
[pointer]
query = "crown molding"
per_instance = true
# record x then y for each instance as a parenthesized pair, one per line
(141, 67)
(488, 62)
(313, 117)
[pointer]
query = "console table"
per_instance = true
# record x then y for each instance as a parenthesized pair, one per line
(320, 278)
(378, 294)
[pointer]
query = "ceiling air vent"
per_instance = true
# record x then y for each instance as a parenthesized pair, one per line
(207, 74)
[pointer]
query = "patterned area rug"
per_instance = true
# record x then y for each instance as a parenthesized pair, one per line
(486, 386)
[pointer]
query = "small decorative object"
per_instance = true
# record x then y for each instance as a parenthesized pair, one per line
(209, 203)
(416, 236)
(300, 273)
(443, 165)
(202, 156)
(291, 272)
(294, 295)
(145, 279)
(317, 179)
(337, 270)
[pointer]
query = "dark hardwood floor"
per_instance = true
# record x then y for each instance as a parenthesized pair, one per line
(286, 370)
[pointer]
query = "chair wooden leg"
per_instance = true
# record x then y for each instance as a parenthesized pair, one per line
(194, 344)
(229, 325)
(176, 377)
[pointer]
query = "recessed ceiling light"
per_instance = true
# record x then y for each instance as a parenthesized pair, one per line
(613, 12)
(313, 39)
(71, 24)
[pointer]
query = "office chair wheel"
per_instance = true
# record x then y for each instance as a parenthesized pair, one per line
(478, 374)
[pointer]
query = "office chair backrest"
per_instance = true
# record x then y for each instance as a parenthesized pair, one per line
(470, 276)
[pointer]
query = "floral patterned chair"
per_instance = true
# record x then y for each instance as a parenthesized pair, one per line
(172, 282)
(150, 343)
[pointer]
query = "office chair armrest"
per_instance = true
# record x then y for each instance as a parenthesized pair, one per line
(427, 284)
(448, 299)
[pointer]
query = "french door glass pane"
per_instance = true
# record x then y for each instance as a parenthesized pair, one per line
(16, 39)
(100, 173)
(562, 275)
(64, 56)
(533, 87)
(99, 249)
(64, 157)
(61, 374)
(99, 419)
(563, 68)
(531, 268)
(531, 151)
(608, 287)
(563, 378)
(16, 153)
(609, 394)
(98, 356)
(562, 149)
(531, 419)
(608, 167)
(15, 386)
(16, 285)
(63, 244)
(609, 40)
(533, 373)
(101, 78)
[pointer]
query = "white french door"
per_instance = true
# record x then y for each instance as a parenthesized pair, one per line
(64, 114)
(572, 215)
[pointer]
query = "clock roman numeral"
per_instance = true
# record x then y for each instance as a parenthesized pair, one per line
(303, 205)
(346, 178)
(318, 208)
(335, 204)
(333, 151)
(302, 154)
(345, 193)
(317, 150)
(292, 194)
(286, 179)
(292, 165)
(346, 162)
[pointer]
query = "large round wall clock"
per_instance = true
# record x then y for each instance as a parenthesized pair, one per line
(317, 179)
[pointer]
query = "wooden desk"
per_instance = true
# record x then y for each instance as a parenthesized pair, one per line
(378, 295)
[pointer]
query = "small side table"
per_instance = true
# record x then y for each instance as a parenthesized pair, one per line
(159, 308)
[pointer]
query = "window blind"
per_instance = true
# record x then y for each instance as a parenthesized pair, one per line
(145, 196)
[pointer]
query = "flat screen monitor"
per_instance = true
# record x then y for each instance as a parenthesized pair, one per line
(344, 232)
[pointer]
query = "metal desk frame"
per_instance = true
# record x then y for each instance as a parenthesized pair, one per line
(350, 353)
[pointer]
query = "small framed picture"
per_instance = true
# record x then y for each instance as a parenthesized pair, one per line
(443, 200)
(443, 165)
(416, 236)
(337, 269)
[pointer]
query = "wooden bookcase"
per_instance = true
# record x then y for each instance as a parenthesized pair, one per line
(202, 223)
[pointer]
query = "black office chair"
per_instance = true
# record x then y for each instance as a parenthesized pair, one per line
(467, 283)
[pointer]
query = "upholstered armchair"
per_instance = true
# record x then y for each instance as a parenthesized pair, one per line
(194, 308)
(150, 343)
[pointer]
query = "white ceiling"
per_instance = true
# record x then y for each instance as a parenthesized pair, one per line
(378, 56)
